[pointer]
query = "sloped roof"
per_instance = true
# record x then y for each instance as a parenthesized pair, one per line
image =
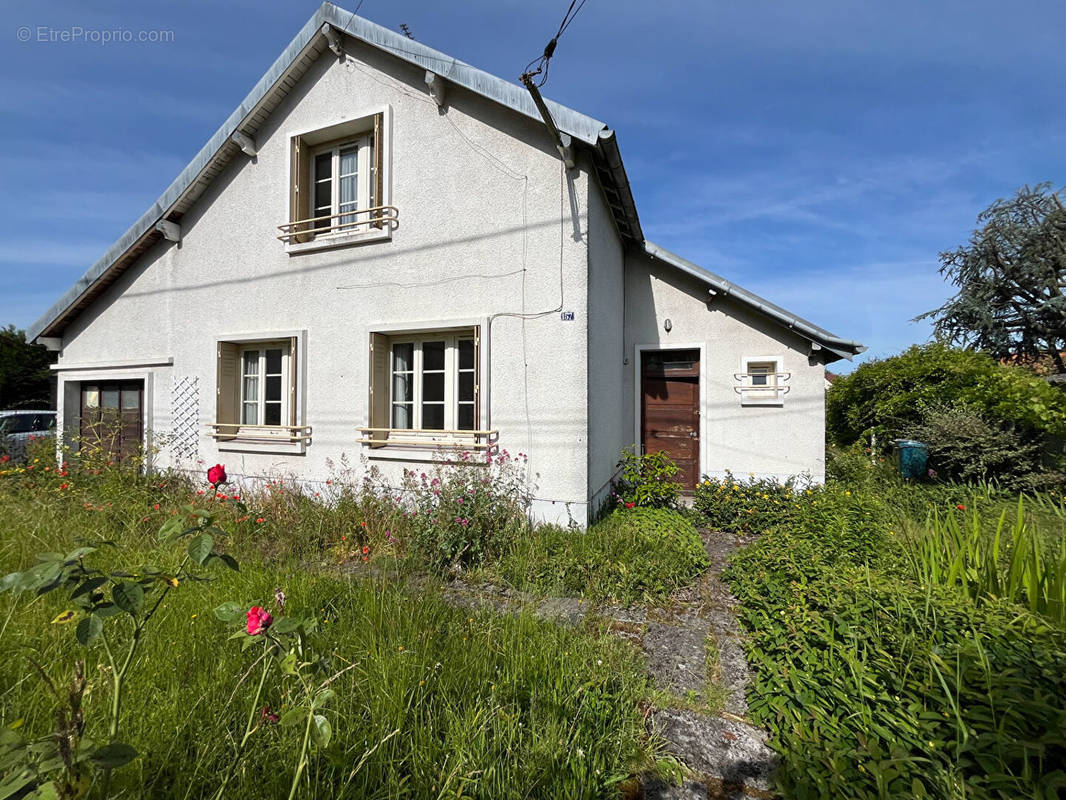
(283, 76)
(844, 348)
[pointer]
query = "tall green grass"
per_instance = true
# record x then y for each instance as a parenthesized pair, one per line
(877, 671)
(630, 556)
(437, 701)
(1004, 557)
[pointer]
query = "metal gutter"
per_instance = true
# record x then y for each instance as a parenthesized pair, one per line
(844, 348)
(619, 182)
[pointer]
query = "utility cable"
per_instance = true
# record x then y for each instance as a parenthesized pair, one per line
(539, 65)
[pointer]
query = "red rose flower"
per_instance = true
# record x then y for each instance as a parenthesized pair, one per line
(216, 475)
(259, 620)
(630, 505)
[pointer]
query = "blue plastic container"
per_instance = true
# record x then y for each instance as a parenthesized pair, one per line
(911, 457)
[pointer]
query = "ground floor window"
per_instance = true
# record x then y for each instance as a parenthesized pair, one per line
(425, 383)
(432, 386)
(762, 380)
(257, 389)
(265, 385)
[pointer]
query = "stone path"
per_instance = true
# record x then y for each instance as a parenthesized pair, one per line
(729, 756)
(694, 638)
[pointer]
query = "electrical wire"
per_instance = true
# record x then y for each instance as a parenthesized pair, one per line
(539, 65)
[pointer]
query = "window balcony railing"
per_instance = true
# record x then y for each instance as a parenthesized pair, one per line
(260, 433)
(774, 386)
(359, 221)
(422, 437)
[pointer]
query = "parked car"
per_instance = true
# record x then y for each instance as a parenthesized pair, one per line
(17, 427)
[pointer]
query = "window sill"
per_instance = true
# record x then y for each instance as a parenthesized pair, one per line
(333, 241)
(263, 439)
(427, 454)
(767, 399)
(239, 445)
(399, 444)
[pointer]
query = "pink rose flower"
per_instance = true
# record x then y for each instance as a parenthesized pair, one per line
(259, 620)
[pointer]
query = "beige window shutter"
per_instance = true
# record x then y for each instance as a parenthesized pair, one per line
(378, 405)
(299, 187)
(477, 377)
(227, 385)
(294, 373)
(377, 151)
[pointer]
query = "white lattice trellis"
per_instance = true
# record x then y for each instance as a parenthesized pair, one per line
(185, 411)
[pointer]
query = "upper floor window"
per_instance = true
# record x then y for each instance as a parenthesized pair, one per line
(338, 189)
(341, 184)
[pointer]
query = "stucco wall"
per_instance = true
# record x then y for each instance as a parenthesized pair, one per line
(607, 400)
(768, 441)
(488, 230)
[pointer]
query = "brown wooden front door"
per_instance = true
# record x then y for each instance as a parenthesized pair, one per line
(112, 417)
(670, 409)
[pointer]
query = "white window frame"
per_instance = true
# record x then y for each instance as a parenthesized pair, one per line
(261, 375)
(773, 392)
(276, 440)
(331, 129)
(364, 185)
(451, 341)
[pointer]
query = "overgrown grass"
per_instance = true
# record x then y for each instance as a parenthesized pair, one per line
(878, 676)
(1001, 557)
(632, 555)
(440, 702)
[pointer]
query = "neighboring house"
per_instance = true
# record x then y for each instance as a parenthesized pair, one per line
(383, 251)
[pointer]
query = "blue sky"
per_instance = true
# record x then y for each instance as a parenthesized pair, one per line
(818, 153)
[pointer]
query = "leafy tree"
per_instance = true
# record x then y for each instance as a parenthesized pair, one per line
(25, 379)
(1010, 278)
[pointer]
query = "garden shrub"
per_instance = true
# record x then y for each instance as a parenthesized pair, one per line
(647, 480)
(969, 447)
(884, 397)
(630, 555)
(467, 512)
(731, 504)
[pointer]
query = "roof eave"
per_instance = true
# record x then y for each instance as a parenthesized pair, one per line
(842, 348)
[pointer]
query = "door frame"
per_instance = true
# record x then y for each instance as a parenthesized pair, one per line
(69, 402)
(638, 395)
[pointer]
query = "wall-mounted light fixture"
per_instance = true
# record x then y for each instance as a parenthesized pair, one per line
(668, 326)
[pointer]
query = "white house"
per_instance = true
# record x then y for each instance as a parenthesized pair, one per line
(384, 250)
